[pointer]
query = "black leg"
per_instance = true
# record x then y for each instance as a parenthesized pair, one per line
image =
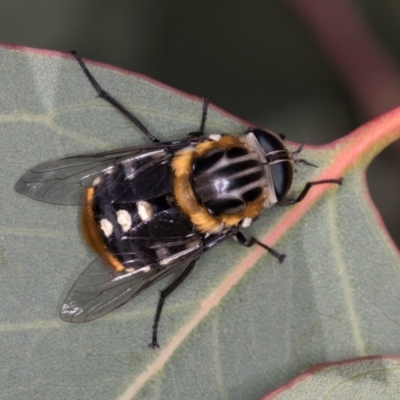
(107, 97)
(251, 241)
(305, 162)
(307, 187)
(199, 133)
(163, 295)
(301, 160)
(204, 114)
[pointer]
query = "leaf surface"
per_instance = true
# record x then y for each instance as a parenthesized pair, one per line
(242, 324)
(361, 378)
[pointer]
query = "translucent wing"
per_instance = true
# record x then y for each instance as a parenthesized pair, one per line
(64, 181)
(100, 289)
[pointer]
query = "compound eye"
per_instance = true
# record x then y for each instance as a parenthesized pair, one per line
(279, 160)
(268, 141)
(282, 176)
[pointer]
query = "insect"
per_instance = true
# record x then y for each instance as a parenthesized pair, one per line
(152, 211)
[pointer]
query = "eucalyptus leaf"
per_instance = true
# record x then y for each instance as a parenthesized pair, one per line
(363, 378)
(242, 324)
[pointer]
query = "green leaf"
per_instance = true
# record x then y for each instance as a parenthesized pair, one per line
(361, 378)
(242, 324)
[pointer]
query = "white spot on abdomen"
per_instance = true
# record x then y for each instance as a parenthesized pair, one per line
(96, 181)
(215, 137)
(145, 210)
(124, 219)
(246, 222)
(106, 226)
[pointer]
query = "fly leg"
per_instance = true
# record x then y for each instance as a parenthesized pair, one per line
(306, 189)
(163, 295)
(200, 132)
(248, 242)
(107, 97)
(206, 102)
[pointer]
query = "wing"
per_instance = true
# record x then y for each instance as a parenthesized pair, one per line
(166, 248)
(64, 181)
(100, 290)
(149, 251)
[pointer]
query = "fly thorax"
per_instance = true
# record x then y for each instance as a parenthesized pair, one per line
(225, 180)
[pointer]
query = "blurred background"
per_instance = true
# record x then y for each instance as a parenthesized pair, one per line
(311, 69)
